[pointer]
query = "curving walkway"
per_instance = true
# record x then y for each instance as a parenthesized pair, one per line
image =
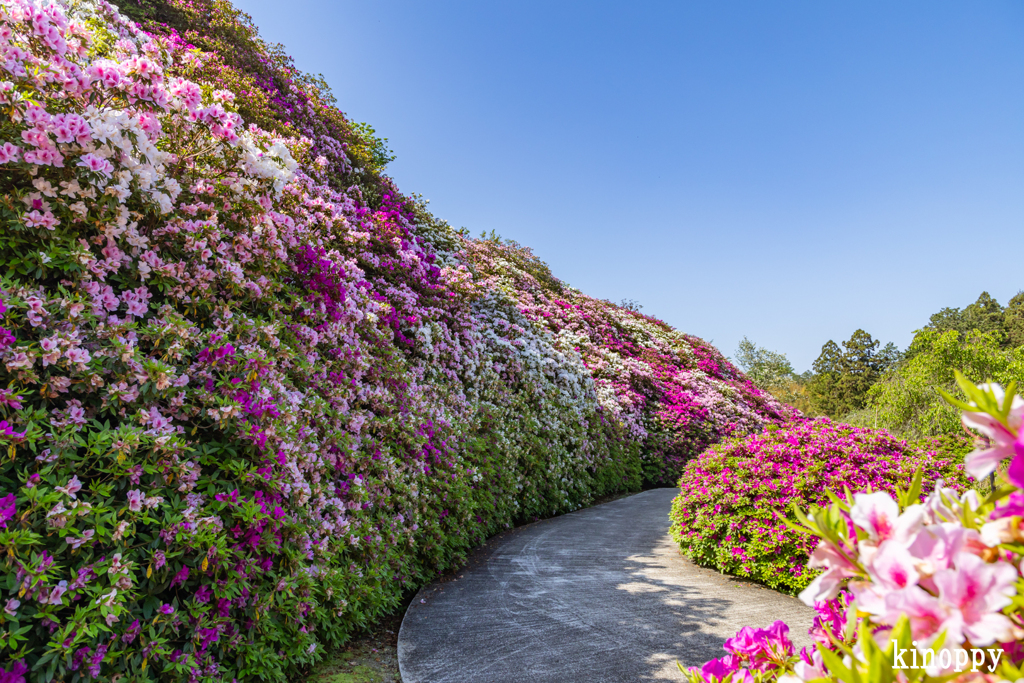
(599, 595)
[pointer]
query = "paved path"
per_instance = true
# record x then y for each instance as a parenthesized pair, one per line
(599, 595)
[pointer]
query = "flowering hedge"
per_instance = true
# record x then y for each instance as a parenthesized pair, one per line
(250, 392)
(736, 497)
(673, 392)
(932, 587)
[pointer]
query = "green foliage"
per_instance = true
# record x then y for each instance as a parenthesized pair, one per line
(842, 377)
(985, 315)
(906, 400)
(767, 369)
(1013, 321)
(772, 372)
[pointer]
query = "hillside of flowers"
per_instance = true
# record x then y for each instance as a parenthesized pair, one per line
(738, 496)
(913, 588)
(673, 392)
(249, 392)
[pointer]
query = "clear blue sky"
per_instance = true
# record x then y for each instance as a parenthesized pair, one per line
(789, 171)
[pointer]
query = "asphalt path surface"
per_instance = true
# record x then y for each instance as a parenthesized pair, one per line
(598, 595)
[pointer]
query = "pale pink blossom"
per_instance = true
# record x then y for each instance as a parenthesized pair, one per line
(9, 153)
(837, 569)
(96, 164)
(79, 542)
(978, 591)
(35, 219)
(936, 545)
(982, 462)
(72, 487)
(45, 157)
(78, 355)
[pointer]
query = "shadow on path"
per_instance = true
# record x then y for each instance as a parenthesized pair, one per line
(598, 595)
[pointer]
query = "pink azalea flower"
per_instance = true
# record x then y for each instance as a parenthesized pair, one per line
(77, 543)
(978, 591)
(892, 569)
(135, 497)
(810, 666)
(1015, 473)
(1011, 506)
(927, 615)
(837, 569)
(72, 487)
(936, 545)
(9, 153)
(982, 462)
(35, 219)
(875, 513)
(96, 164)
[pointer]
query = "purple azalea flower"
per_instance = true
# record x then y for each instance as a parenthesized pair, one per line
(180, 578)
(16, 674)
(7, 509)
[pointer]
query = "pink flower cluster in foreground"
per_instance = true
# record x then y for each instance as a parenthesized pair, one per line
(928, 581)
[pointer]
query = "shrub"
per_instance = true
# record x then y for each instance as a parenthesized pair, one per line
(736, 495)
(933, 586)
(245, 403)
(673, 392)
(242, 411)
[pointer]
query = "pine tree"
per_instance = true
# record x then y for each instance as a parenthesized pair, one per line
(824, 388)
(861, 367)
(842, 377)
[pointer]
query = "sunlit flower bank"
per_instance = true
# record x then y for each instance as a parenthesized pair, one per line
(250, 393)
(912, 589)
(736, 497)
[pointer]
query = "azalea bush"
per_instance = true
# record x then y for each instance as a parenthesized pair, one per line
(249, 392)
(738, 496)
(673, 392)
(913, 590)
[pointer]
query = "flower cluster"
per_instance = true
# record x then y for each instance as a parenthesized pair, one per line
(674, 393)
(934, 585)
(737, 498)
(247, 403)
(251, 394)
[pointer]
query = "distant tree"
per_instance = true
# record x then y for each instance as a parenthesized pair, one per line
(1013, 321)
(860, 369)
(889, 356)
(767, 369)
(842, 377)
(947, 319)
(772, 372)
(905, 402)
(824, 388)
(631, 305)
(984, 315)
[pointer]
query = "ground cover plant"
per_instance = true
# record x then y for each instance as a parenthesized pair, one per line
(738, 497)
(249, 392)
(912, 589)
